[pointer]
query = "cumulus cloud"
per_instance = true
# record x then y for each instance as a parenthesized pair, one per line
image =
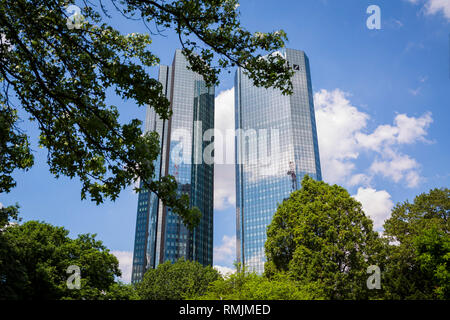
(386, 139)
(376, 204)
(125, 264)
(224, 111)
(225, 253)
(435, 6)
(342, 133)
(224, 174)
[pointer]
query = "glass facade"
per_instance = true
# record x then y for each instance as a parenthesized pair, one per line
(160, 234)
(289, 124)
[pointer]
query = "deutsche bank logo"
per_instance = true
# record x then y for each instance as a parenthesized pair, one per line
(296, 67)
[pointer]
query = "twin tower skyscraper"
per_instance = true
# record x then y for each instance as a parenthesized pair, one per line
(275, 146)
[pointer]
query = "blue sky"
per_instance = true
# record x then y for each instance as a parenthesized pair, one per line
(382, 101)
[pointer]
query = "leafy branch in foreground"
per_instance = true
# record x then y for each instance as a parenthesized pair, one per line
(60, 77)
(320, 235)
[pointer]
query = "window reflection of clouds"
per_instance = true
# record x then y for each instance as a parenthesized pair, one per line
(259, 189)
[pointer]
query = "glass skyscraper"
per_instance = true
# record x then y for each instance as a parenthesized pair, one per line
(160, 234)
(286, 124)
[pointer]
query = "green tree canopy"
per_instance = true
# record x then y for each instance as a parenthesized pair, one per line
(60, 72)
(35, 256)
(419, 254)
(10, 268)
(175, 281)
(321, 236)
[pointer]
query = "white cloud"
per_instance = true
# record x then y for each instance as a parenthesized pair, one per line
(255, 263)
(224, 111)
(224, 174)
(398, 23)
(225, 253)
(376, 204)
(342, 138)
(415, 92)
(337, 124)
(432, 7)
(406, 130)
(225, 271)
(398, 168)
(435, 6)
(125, 264)
(1, 205)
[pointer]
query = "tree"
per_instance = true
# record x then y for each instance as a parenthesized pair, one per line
(433, 257)
(121, 291)
(419, 255)
(175, 281)
(11, 271)
(59, 71)
(39, 257)
(321, 236)
(244, 285)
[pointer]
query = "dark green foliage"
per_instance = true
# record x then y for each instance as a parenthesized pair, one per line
(180, 280)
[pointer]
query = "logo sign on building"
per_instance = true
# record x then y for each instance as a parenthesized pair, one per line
(296, 67)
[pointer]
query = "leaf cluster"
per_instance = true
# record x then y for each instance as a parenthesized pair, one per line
(175, 281)
(320, 235)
